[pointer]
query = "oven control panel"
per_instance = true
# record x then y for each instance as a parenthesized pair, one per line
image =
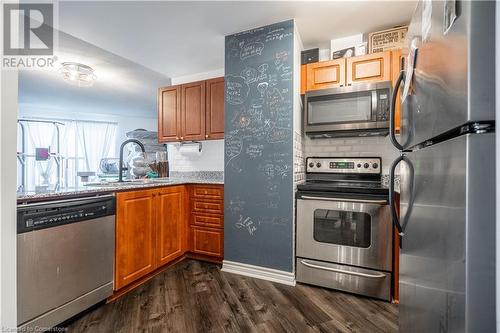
(356, 165)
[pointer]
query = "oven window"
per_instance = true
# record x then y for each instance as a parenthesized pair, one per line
(342, 228)
(345, 109)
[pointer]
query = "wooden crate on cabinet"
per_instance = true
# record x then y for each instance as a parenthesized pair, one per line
(325, 74)
(193, 111)
(371, 67)
(207, 222)
(169, 114)
(215, 109)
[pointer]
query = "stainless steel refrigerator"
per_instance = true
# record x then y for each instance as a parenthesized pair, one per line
(447, 168)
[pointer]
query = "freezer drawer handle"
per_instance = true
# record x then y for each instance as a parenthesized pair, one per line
(392, 112)
(371, 276)
(395, 220)
(379, 202)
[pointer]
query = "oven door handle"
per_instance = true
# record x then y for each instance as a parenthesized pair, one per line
(379, 202)
(336, 270)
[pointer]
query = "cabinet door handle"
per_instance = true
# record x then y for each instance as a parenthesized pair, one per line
(177, 138)
(182, 138)
(206, 136)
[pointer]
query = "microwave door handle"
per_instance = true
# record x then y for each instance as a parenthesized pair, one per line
(374, 105)
(379, 202)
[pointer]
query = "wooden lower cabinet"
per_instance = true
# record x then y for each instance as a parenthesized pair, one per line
(207, 241)
(155, 227)
(206, 235)
(150, 231)
(170, 233)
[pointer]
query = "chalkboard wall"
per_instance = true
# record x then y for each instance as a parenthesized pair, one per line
(258, 173)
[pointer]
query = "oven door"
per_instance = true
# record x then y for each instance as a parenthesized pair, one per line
(345, 231)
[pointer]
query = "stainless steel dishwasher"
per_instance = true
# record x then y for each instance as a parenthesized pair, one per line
(65, 256)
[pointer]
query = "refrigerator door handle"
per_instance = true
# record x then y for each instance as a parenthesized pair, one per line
(395, 219)
(392, 112)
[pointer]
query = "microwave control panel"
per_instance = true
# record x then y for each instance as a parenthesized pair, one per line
(356, 165)
(383, 104)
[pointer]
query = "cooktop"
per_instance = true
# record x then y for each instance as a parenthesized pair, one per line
(360, 175)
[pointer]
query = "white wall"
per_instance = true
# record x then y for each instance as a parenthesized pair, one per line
(197, 76)
(212, 155)
(8, 117)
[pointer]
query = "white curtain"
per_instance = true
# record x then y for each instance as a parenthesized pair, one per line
(41, 135)
(97, 140)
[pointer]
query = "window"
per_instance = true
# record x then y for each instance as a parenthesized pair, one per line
(73, 145)
(342, 228)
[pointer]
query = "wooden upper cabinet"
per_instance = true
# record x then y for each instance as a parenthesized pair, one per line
(135, 236)
(170, 233)
(370, 67)
(215, 109)
(397, 66)
(169, 114)
(193, 111)
(326, 74)
(303, 79)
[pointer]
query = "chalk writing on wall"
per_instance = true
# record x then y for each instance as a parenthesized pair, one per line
(259, 144)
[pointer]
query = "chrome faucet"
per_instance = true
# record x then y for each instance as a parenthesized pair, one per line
(120, 166)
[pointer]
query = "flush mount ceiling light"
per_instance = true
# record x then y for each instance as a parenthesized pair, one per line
(78, 74)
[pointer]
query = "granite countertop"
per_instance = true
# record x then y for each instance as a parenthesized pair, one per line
(82, 191)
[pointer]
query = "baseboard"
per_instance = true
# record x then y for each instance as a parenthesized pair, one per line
(259, 272)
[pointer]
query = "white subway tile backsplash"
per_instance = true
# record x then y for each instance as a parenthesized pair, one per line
(210, 159)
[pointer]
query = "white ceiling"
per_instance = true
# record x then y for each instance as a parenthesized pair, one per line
(122, 88)
(185, 37)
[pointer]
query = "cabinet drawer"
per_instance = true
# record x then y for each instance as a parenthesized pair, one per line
(207, 192)
(211, 207)
(207, 221)
(207, 241)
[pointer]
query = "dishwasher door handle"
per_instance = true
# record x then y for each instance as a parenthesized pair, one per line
(342, 271)
(67, 201)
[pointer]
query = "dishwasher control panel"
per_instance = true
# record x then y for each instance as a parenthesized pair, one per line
(50, 214)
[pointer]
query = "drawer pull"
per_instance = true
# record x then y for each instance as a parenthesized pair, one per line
(372, 276)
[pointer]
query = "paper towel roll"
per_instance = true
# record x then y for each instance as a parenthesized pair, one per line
(190, 150)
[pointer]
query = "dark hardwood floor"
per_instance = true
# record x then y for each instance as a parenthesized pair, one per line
(195, 296)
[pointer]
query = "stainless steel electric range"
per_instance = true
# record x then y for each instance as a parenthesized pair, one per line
(344, 228)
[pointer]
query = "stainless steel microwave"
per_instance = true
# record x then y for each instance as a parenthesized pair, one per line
(357, 110)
